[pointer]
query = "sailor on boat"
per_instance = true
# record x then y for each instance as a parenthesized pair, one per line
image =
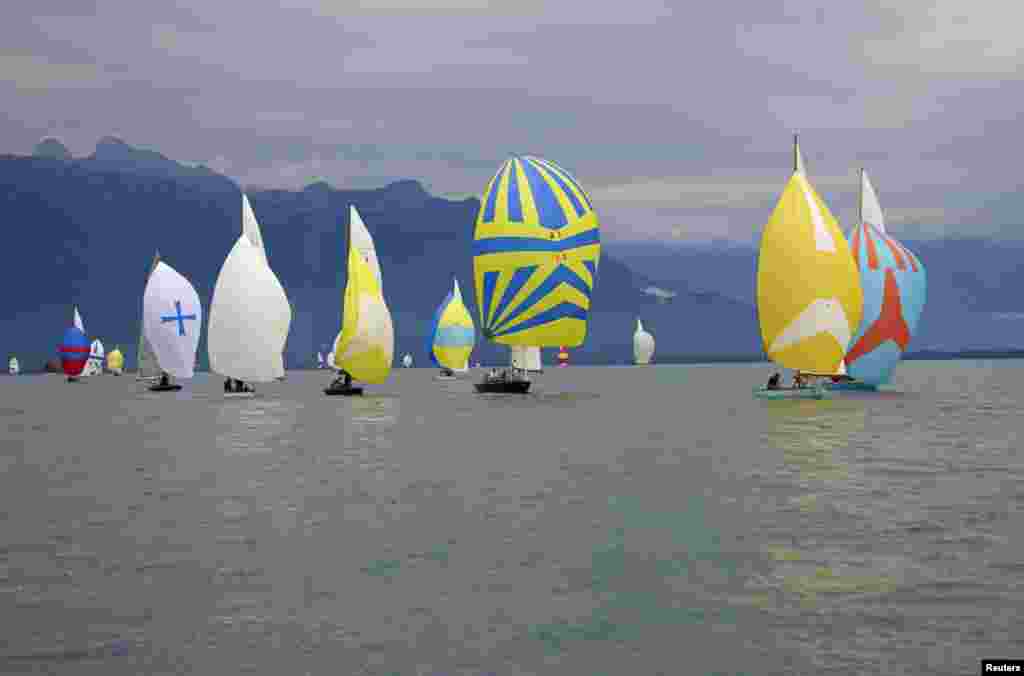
(343, 381)
(165, 380)
(774, 381)
(798, 380)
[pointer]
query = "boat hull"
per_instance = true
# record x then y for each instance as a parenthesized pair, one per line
(239, 395)
(852, 387)
(164, 388)
(343, 391)
(509, 387)
(790, 393)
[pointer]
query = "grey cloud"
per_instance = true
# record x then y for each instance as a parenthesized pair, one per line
(623, 94)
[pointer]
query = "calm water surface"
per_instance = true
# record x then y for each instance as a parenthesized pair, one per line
(650, 520)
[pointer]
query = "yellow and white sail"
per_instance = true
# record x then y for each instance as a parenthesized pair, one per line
(365, 346)
(809, 298)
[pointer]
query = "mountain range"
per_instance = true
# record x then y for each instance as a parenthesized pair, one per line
(82, 231)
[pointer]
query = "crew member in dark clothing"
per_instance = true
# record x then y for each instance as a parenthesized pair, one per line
(228, 385)
(773, 382)
(165, 381)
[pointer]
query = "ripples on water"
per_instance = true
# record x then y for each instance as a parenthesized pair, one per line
(615, 521)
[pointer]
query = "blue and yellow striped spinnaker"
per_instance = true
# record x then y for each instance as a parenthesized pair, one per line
(535, 252)
(451, 336)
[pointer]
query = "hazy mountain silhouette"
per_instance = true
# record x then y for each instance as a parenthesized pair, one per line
(83, 231)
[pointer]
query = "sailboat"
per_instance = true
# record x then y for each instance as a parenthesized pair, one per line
(13, 367)
(74, 349)
(895, 286)
(147, 369)
(643, 345)
(535, 254)
(365, 346)
(451, 337)
(96, 354)
(563, 357)
(407, 361)
(809, 299)
(172, 320)
(115, 361)
(249, 315)
(319, 360)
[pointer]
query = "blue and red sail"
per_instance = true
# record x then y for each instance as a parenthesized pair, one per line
(74, 351)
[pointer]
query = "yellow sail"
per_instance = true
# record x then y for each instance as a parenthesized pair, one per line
(809, 299)
(365, 345)
(535, 254)
(115, 360)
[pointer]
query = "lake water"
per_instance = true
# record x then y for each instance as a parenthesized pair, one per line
(654, 520)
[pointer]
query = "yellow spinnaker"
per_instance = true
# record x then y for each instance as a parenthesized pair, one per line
(809, 299)
(365, 345)
(115, 360)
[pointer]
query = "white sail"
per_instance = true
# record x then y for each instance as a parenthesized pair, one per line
(870, 209)
(363, 243)
(319, 360)
(407, 361)
(330, 360)
(172, 319)
(94, 366)
(13, 367)
(643, 345)
(525, 357)
(78, 321)
(249, 317)
(251, 228)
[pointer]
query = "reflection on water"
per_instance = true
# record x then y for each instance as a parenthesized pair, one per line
(431, 530)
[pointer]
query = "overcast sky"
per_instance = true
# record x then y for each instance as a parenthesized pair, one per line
(677, 121)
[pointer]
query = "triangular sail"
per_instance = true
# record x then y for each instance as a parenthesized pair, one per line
(364, 348)
(363, 242)
(895, 288)
(147, 367)
(809, 297)
(78, 323)
(251, 228)
(870, 209)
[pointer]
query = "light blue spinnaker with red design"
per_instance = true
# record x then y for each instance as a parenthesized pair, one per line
(895, 287)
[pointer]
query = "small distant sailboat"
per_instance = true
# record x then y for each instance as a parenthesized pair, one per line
(74, 349)
(115, 361)
(451, 337)
(147, 370)
(365, 346)
(173, 319)
(809, 298)
(94, 366)
(13, 367)
(535, 254)
(407, 361)
(643, 345)
(563, 357)
(249, 315)
(895, 287)
(320, 360)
